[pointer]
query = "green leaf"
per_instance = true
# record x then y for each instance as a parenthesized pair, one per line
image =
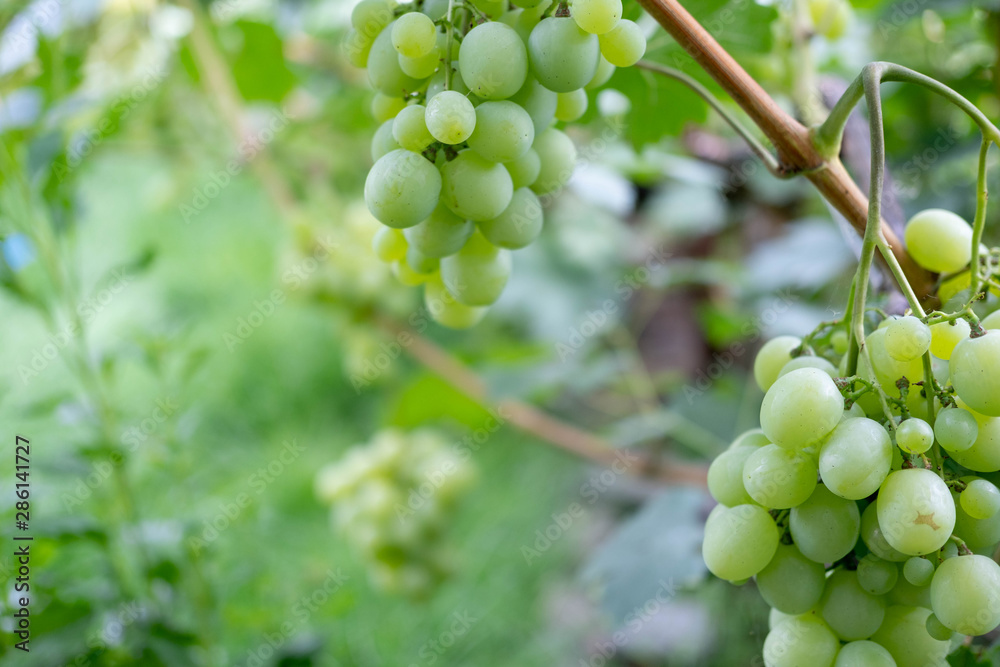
(260, 69)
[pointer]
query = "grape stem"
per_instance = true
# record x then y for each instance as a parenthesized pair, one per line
(770, 161)
(449, 28)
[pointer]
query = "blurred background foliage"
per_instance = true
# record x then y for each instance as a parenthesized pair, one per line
(194, 325)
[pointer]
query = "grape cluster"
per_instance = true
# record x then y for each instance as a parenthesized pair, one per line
(866, 506)
(392, 500)
(467, 96)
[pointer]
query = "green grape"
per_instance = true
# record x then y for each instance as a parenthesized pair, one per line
(778, 478)
(991, 321)
(907, 338)
(850, 611)
(597, 16)
(776, 618)
(369, 17)
(406, 275)
(389, 244)
(492, 8)
(435, 9)
(956, 430)
(936, 629)
(474, 188)
(874, 539)
(914, 436)
(915, 511)
(450, 117)
(602, 75)
(905, 593)
(752, 438)
(887, 369)
(402, 189)
(984, 454)
(771, 358)
(413, 35)
(791, 582)
(437, 82)
(409, 129)
(739, 541)
(422, 67)
(825, 527)
(557, 156)
(864, 654)
(539, 102)
(801, 408)
(446, 310)
(624, 45)
(356, 48)
(420, 262)
(504, 131)
(965, 594)
(385, 107)
(443, 233)
(800, 641)
(493, 61)
(563, 57)
(854, 412)
(525, 169)
(809, 361)
(980, 499)
(383, 142)
(974, 367)
(477, 273)
(570, 106)
(918, 571)
(838, 339)
(939, 240)
(904, 635)
(980, 535)
(384, 72)
(520, 223)
(855, 459)
(877, 576)
(945, 336)
(830, 17)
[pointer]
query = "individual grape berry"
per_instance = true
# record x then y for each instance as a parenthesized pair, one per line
(369, 17)
(474, 188)
(753, 438)
(778, 478)
(918, 571)
(839, 340)
(739, 541)
(476, 274)
(864, 654)
(801, 408)
(539, 102)
(791, 582)
(520, 223)
(991, 321)
(856, 458)
(624, 45)
(420, 262)
(771, 358)
(563, 57)
(802, 640)
(877, 576)
(385, 107)
(914, 436)
(904, 634)
(424, 66)
(493, 61)
(407, 275)
(602, 75)
(446, 310)
(503, 132)
(597, 16)
(557, 157)
(443, 233)
(450, 117)
(402, 189)
(570, 106)
(979, 534)
(435, 9)
(936, 629)
(887, 369)
(874, 538)
(413, 35)
(409, 129)
(956, 429)
(825, 527)
(851, 612)
(384, 71)
(809, 361)
(356, 48)
(945, 336)
(830, 17)
(383, 142)
(525, 169)
(915, 511)
(965, 594)
(725, 477)
(975, 373)
(389, 244)
(939, 240)
(436, 84)
(907, 338)
(980, 499)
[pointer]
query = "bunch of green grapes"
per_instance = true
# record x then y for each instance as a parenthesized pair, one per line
(392, 500)
(866, 507)
(468, 96)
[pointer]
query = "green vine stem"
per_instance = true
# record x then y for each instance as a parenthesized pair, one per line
(765, 155)
(450, 40)
(979, 223)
